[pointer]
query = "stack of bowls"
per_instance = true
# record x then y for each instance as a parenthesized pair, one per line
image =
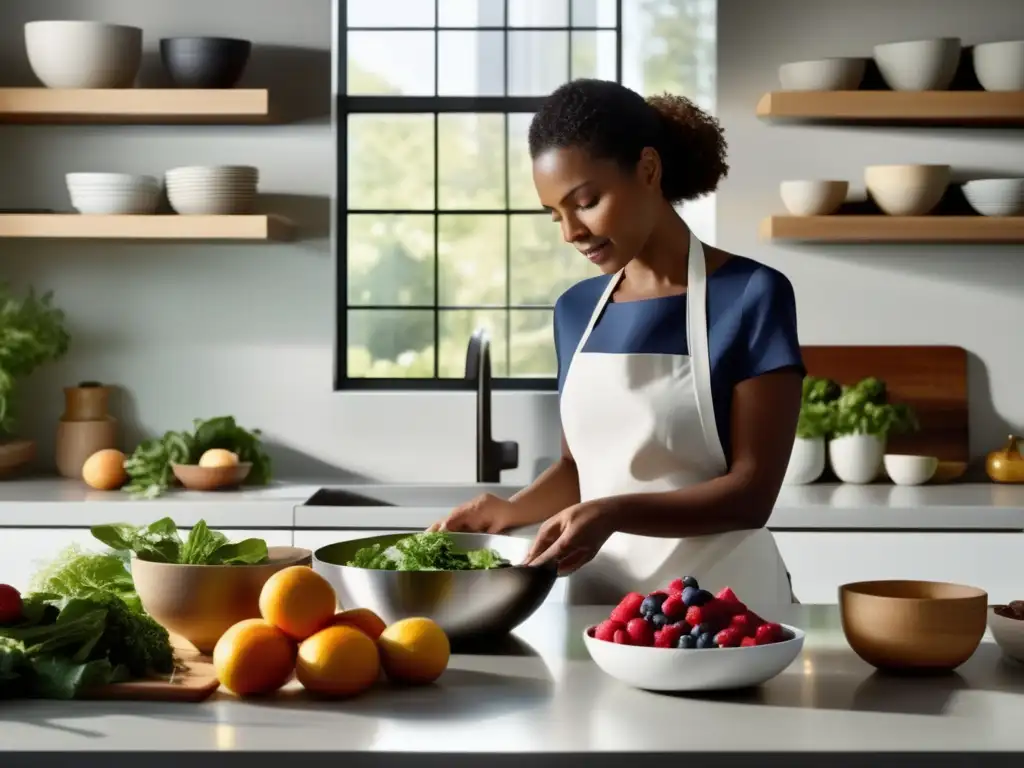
(113, 193)
(212, 190)
(83, 54)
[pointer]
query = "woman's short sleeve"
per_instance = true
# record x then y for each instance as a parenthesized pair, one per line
(772, 341)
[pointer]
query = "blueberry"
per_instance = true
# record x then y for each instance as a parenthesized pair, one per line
(702, 629)
(652, 605)
(706, 640)
(690, 596)
(703, 596)
(686, 642)
(689, 581)
(659, 620)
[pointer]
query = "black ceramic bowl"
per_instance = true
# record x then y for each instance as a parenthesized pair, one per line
(205, 62)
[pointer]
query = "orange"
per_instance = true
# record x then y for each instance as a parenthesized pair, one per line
(253, 657)
(338, 661)
(362, 619)
(298, 601)
(414, 650)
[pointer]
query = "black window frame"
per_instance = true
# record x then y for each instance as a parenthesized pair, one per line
(436, 106)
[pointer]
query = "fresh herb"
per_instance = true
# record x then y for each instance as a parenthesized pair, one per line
(149, 467)
(817, 407)
(32, 333)
(435, 551)
(160, 542)
(864, 409)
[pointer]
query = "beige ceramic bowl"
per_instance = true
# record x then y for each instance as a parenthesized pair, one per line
(907, 190)
(196, 478)
(200, 602)
(913, 625)
(813, 197)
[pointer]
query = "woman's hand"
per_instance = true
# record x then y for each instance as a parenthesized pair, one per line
(572, 537)
(485, 514)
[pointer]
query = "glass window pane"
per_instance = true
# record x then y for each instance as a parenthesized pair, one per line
(471, 260)
(471, 64)
(522, 195)
(391, 162)
(532, 345)
(542, 264)
(390, 343)
(471, 13)
(390, 64)
(593, 55)
(456, 326)
(390, 260)
(538, 62)
(471, 161)
(389, 13)
(538, 13)
(593, 13)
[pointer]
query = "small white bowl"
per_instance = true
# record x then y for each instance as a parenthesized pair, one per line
(910, 470)
(996, 197)
(836, 74)
(113, 193)
(919, 65)
(83, 54)
(999, 66)
(907, 190)
(813, 197)
(708, 669)
(1008, 634)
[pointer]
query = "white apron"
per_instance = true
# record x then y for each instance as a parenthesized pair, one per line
(643, 423)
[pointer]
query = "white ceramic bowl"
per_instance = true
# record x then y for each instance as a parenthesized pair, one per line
(1008, 634)
(919, 65)
(907, 190)
(113, 193)
(996, 197)
(999, 66)
(904, 469)
(813, 197)
(838, 74)
(212, 190)
(709, 669)
(83, 54)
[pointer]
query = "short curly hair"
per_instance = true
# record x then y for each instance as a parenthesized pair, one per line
(613, 122)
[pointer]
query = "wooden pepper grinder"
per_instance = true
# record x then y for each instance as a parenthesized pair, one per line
(85, 427)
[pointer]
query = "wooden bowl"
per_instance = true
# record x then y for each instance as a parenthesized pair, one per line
(201, 602)
(948, 471)
(196, 478)
(16, 456)
(913, 625)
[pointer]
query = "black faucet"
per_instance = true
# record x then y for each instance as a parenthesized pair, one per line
(491, 457)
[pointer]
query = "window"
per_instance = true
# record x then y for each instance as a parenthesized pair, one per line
(439, 228)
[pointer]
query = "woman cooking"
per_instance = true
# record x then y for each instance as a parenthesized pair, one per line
(679, 367)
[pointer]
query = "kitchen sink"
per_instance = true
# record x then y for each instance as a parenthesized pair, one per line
(433, 496)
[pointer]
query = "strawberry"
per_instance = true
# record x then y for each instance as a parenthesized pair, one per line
(621, 637)
(768, 633)
(676, 587)
(728, 638)
(606, 630)
(747, 642)
(640, 632)
(756, 620)
(668, 636)
(743, 625)
(628, 608)
(727, 595)
(673, 607)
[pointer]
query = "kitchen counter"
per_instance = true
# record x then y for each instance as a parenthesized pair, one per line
(542, 696)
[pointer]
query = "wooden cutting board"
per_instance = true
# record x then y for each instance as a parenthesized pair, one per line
(194, 681)
(931, 379)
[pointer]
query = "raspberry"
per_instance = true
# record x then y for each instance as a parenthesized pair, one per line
(606, 630)
(676, 586)
(697, 614)
(768, 633)
(621, 637)
(668, 636)
(728, 638)
(640, 632)
(756, 620)
(727, 595)
(747, 642)
(743, 625)
(628, 608)
(673, 607)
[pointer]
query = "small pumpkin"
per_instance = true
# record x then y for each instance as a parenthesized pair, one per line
(1007, 464)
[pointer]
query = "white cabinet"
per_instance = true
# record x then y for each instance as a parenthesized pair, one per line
(820, 562)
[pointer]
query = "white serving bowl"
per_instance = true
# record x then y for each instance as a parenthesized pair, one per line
(907, 190)
(83, 54)
(996, 197)
(904, 469)
(1008, 634)
(113, 193)
(919, 65)
(813, 197)
(999, 66)
(209, 203)
(212, 190)
(837, 74)
(708, 669)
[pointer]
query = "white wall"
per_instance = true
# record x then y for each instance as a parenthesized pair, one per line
(971, 296)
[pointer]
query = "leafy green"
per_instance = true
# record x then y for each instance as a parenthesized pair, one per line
(864, 409)
(434, 551)
(817, 407)
(74, 572)
(160, 542)
(32, 333)
(149, 467)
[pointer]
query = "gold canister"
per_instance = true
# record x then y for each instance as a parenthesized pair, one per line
(85, 427)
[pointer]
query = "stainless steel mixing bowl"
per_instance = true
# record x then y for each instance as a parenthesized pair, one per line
(466, 604)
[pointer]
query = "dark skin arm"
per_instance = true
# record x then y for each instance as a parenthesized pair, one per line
(764, 416)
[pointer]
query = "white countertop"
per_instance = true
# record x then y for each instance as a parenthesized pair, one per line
(544, 695)
(60, 503)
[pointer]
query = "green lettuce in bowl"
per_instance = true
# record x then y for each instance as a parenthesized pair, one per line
(433, 551)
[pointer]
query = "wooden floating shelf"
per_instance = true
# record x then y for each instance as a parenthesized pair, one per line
(923, 107)
(73, 226)
(134, 105)
(895, 229)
